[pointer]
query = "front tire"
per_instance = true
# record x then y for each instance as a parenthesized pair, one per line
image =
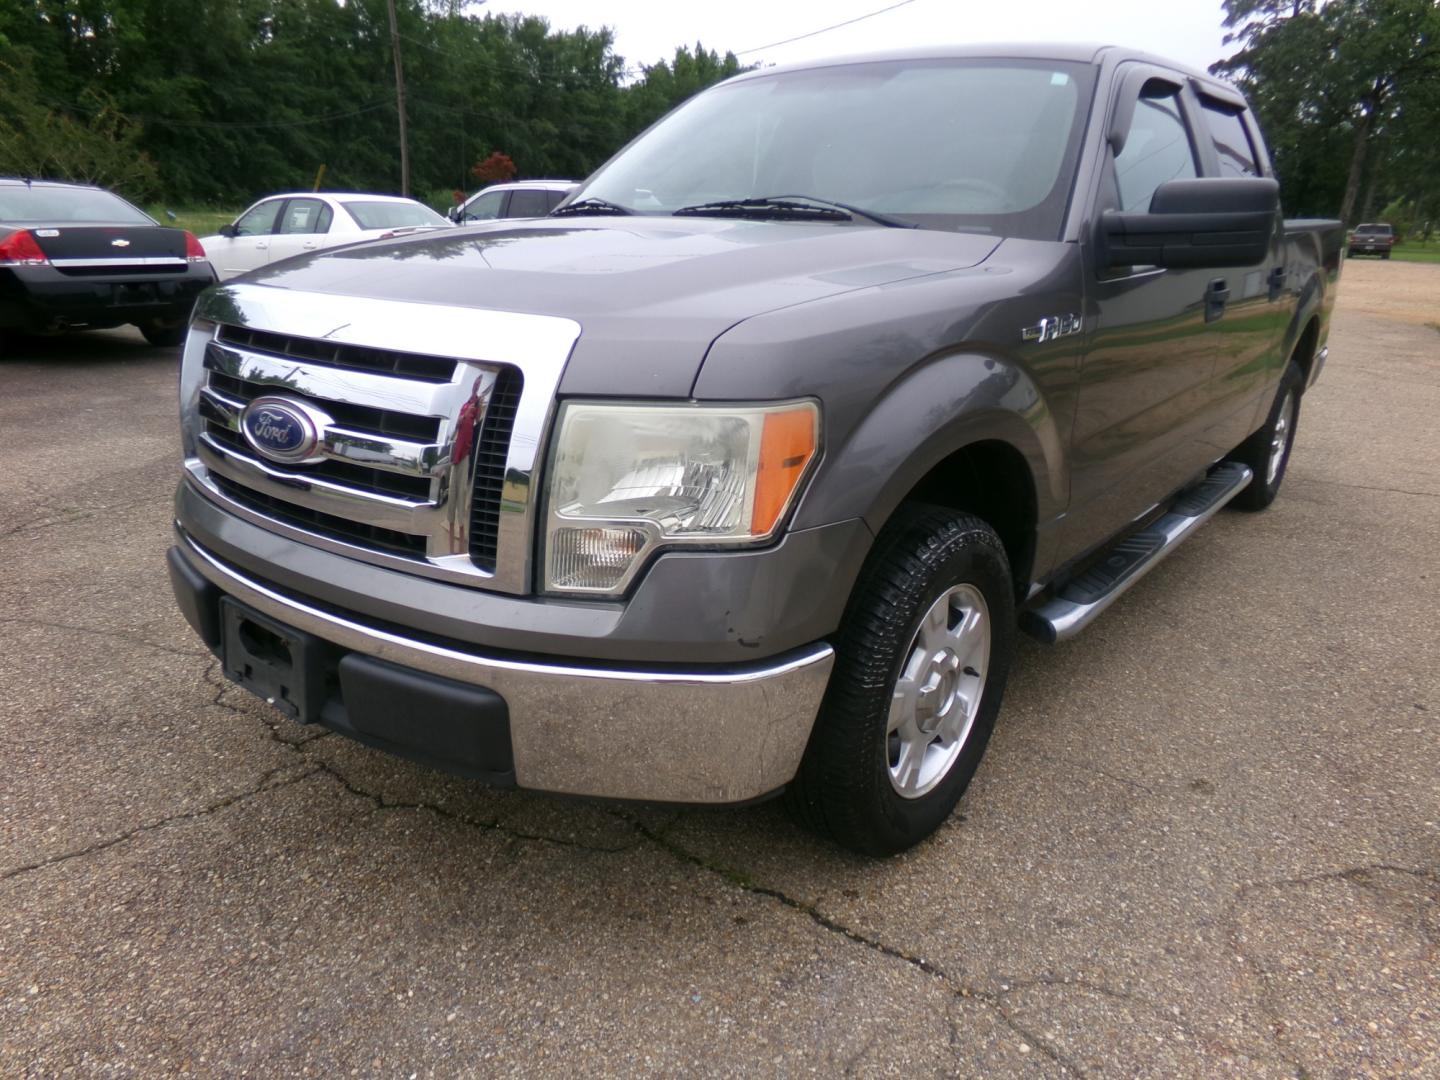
(1267, 452)
(921, 665)
(164, 333)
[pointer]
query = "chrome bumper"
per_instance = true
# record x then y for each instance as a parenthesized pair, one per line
(722, 736)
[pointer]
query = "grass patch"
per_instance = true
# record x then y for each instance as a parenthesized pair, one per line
(199, 220)
(1417, 251)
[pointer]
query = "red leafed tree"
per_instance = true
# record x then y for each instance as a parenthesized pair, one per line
(496, 167)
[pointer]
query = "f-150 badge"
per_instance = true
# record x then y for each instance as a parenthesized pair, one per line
(1052, 327)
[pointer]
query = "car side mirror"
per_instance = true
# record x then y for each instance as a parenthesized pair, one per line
(230, 230)
(1214, 222)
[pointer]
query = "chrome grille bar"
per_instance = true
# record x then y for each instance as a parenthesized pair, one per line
(391, 455)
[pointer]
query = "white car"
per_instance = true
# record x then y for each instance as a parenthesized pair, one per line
(516, 199)
(283, 225)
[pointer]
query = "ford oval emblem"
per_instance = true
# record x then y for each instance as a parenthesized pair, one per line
(280, 429)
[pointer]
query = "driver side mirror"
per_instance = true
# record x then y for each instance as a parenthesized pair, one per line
(1214, 222)
(230, 230)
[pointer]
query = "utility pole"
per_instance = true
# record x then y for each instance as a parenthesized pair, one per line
(400, 101)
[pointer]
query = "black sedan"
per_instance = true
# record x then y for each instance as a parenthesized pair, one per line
(74, 257)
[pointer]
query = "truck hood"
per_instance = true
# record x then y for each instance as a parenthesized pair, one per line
(650, 293)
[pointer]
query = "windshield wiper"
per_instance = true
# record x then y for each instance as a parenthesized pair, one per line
(774, 206)
(591, 206)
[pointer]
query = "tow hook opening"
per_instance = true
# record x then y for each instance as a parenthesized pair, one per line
(263, 644)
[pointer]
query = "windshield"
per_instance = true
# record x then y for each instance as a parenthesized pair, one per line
(396, 215)
(974, 145)
(59, 204)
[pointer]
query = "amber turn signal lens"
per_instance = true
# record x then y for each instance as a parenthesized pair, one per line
(787, 444)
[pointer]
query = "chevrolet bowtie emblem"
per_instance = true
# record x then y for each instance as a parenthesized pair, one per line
(119, 243)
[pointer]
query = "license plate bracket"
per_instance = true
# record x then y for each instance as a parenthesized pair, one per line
(282, 665)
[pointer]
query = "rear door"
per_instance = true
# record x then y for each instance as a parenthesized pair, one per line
(1249, 331)
(301, 226)
(1146, 377)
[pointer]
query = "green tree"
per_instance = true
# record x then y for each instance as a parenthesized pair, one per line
(234, 99)
(96, 147)
(665, 85)
(1339, 87)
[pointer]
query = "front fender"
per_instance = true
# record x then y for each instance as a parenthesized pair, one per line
(940, 407)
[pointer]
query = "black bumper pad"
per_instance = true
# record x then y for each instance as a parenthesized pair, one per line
(439, 722)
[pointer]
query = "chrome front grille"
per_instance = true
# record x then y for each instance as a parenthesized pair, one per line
(431, 422)
(394, 481)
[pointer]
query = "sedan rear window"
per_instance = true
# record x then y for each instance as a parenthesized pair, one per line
(43, 203)
(388, 215)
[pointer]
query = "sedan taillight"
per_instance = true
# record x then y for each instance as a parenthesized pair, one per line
(21, 249)
(194, 250)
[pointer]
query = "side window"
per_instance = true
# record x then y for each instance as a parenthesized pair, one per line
(554, 199)
(322, 222)
(1232, 143)
(301, 216)
(527, 202)
(1156, 150)
(258, 220)
(486, 206)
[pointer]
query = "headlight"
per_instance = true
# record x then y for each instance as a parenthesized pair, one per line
(630, 478)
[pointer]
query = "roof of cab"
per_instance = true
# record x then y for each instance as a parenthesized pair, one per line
(1066, 51)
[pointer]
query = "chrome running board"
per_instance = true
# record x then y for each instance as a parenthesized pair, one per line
(1078, 601)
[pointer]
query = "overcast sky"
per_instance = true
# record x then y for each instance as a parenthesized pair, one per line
(648, 30)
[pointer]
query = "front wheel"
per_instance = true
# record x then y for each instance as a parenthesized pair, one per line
(164, 333)
(921, 665)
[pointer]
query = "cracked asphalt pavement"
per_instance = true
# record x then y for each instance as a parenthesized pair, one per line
(1205, 840)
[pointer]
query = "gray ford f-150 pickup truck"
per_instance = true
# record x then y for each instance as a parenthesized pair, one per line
(739, 473)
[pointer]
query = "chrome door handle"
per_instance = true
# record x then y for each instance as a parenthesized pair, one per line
(1217, 294)
(1276, 281)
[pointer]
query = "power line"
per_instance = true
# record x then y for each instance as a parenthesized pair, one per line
(824, 29)
(162, 121)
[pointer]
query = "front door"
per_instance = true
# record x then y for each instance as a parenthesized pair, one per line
(249, 248)
(1145, 380)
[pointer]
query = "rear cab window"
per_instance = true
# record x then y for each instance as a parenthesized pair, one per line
(305, 216)
(1233, 147)
(528, 202)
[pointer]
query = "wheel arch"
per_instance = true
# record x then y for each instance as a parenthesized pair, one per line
(1306, 348)
(969, 432)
